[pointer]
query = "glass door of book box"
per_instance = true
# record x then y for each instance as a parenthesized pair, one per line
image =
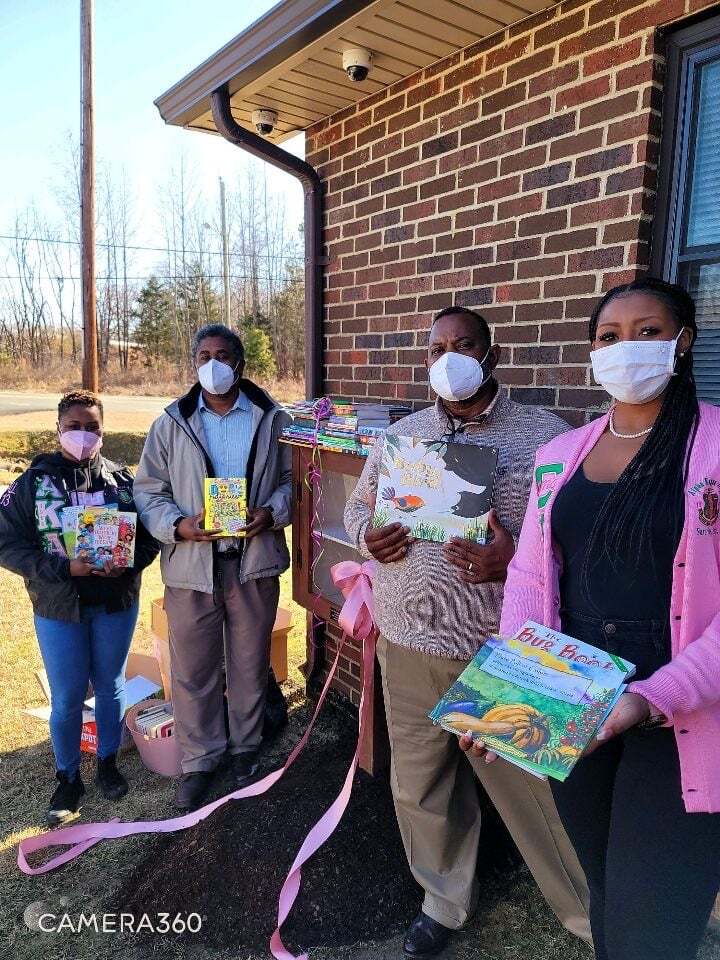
(313, 587)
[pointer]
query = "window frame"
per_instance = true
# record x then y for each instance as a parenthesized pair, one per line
(687, 49)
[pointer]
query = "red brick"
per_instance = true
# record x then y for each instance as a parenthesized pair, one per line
(583, 92)
(403, 120)
(440, 185)
(626, 230)
(606, 160)
(386, 146)
(611, 208)
(389, 107)
(536, 355)
(607, 9)
(483, 85)
(580, 143)
(424, 92)
(657, 13)
(454, 280)
(493, 232)
(611, 57)
(631, 179)
(431, 228)
(565, 332)
(515, 292)
(561, 376)
(438, 145)
(473, 257)
(499, 189)
(420, 133)
(494, 273)
(471, 218)
(580, 308)
(609, 109)
(431, 108)
(468, 71)
(478, 173)
(638, 74)
(518, 249)
(540, 267)
(419, 172)
(459, 160)
(520, 206)
(507, 97)
(526, 160)
(554, 79)
(569, 286)
(514, 333)
(499, 146)
(564, 27)
(587, 40)
(481, 130)
(572, 240)
(540, 311)
(551, 129)
(460, 117)
(418, 211)
(576, 353)
(596, 259)
(454, 201)
(571, 193)
(547, 176)
(507, 54)
(515, 375)
(527, 112)
(543, 223)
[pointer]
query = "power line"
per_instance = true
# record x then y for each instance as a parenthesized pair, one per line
(127, 246)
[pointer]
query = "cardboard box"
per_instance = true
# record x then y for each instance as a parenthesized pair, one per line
(138, 665)
(161, 643)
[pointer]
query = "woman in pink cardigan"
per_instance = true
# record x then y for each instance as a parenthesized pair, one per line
(621, 548)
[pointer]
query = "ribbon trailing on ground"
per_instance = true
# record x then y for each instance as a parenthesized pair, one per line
(356, 619)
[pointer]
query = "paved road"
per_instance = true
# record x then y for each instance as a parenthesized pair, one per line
(17, 402)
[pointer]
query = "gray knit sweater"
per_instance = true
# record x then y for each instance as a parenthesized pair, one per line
(420, 602)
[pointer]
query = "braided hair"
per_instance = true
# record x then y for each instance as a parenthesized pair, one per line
(657, 473)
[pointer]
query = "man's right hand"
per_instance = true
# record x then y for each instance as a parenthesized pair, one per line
(191, 528)
(80, 567)
(388, 543)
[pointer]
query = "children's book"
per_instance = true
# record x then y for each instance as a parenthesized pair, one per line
(436, 488)
(97, 529)
(226, 505)
(69, 522)
(537, 699)
(123, 553)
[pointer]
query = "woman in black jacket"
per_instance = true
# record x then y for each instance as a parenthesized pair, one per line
(84, 615)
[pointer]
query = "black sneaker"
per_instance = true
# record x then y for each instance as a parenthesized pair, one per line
(65, 802)
(243, 766)
(112, 783)
(191, 788)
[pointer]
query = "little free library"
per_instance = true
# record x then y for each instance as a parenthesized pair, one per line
(516, 158)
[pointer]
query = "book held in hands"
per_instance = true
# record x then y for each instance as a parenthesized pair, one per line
(99, 535)
(536, 699)
(226, 505)
(436, 488)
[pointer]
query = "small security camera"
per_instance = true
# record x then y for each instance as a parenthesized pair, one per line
(357, 63)
(264, 121)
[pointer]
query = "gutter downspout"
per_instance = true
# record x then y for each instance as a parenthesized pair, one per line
(228, 127)
(231, 130)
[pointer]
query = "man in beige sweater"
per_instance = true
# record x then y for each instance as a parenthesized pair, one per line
(434, 604)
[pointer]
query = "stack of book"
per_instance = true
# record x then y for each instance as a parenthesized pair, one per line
(156, 721)
(346, 426)
(100, 534)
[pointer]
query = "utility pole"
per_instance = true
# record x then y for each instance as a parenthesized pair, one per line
(226, 255)
(87, 203)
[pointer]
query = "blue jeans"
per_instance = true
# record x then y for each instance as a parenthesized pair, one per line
(95, 649)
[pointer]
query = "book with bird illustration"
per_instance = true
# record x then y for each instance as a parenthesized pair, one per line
(536, 699)
(436, 488)
(226, 505)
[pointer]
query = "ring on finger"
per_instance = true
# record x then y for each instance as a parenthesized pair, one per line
(470, 568)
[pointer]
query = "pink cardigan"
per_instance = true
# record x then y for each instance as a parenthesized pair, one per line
(686, 690)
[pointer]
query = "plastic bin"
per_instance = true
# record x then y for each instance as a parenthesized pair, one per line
(159, 754)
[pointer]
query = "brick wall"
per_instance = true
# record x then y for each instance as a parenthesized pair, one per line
(517, 177)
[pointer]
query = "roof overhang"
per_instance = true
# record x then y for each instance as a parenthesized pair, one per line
(290, 60)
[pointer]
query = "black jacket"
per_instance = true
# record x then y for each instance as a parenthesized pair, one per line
(31, 546)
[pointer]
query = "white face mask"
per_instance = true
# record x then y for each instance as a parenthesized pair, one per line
(456, 376)
(635, 371)
(216, 377)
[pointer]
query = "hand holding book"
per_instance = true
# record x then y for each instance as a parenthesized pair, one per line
(481, 563)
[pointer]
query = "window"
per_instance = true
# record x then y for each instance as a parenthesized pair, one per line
(687, 225)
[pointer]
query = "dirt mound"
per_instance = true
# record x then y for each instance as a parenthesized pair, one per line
(230, 868)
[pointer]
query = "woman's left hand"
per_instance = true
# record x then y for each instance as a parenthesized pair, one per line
(108, 570)
(476, 748)
(630, 710)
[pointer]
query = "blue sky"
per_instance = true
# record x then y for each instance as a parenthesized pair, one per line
(142, 48)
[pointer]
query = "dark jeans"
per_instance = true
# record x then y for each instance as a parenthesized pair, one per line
(653, 869)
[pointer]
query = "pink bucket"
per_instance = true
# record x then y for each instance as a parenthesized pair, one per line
(159, 754)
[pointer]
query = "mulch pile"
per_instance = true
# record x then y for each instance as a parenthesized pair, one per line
(230, 868)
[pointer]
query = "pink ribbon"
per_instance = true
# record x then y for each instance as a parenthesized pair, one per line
(356, 619)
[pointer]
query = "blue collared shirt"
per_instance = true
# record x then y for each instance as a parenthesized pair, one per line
(228, 437)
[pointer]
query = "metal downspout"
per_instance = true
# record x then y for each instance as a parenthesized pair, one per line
(314, 261)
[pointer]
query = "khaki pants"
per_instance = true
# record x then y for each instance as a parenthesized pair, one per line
(236, 620)
(437, 805)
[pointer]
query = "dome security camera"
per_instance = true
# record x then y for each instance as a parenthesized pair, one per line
(264, 121)
(357, 63)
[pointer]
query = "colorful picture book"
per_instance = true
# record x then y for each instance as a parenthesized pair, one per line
(226, 505)
(536, 699)
(438, 489)
(100, 534)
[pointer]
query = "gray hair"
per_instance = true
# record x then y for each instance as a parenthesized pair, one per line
(218, 330)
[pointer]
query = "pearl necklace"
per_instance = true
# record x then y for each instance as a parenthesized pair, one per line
(627, 436)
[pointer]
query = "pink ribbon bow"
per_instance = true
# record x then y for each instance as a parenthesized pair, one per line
(357, 617)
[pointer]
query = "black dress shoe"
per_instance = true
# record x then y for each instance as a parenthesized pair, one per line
(243, 767)
(425, 937)
(192, 788)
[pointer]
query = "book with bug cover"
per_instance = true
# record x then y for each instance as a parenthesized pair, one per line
(536, 699)
(226, 505)
(436, 488)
